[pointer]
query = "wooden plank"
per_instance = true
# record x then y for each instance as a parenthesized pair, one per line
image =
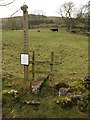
(44, 62)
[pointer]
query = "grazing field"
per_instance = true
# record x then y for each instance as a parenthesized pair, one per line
(71, 50)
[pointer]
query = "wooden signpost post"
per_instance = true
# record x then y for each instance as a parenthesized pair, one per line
(24, 55)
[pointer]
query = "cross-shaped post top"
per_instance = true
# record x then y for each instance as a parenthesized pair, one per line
(24, 8)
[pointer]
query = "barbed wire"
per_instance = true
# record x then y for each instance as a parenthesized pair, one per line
(5, 4)
(18, 9)
(15, 12)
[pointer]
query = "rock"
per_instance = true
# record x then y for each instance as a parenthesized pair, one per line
(69, 94)
(37, 85)
(35, 89)
(32, 102)
(63, 88)
(63, 91)
(14, 93)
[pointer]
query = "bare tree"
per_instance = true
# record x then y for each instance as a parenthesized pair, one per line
(83, 15)
(67, 13)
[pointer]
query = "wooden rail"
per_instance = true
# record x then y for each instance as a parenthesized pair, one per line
(34, 62)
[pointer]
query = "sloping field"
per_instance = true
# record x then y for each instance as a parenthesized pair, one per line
(71, 50)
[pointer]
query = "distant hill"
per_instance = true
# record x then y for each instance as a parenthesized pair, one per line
(34, 21)
(39, 21)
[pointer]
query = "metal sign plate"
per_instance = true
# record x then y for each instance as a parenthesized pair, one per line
(24, 59)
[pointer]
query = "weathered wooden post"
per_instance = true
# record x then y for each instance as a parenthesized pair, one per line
(25, 30)
(51, 64)
(33, 66)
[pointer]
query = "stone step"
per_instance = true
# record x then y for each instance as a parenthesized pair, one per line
(36, 85)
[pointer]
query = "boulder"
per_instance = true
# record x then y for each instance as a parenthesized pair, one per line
(37, 85)
(63, 91)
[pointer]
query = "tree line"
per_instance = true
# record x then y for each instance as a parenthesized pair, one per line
(72, 17)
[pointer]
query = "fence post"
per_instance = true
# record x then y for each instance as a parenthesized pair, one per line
(33, 66)
(51, 64)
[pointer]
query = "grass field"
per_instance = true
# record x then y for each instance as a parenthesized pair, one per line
(71, 50)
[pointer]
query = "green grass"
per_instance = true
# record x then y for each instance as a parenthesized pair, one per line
(69, 49)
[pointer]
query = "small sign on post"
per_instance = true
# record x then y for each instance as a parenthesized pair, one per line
(24, 57)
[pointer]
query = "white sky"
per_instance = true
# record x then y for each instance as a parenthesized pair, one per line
(50, 7)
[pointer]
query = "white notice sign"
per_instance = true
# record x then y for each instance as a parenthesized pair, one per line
(24, 59)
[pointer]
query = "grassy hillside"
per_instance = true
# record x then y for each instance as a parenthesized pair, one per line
(34, 21)
(71, 50)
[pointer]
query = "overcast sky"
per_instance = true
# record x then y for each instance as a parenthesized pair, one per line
(50, 7)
